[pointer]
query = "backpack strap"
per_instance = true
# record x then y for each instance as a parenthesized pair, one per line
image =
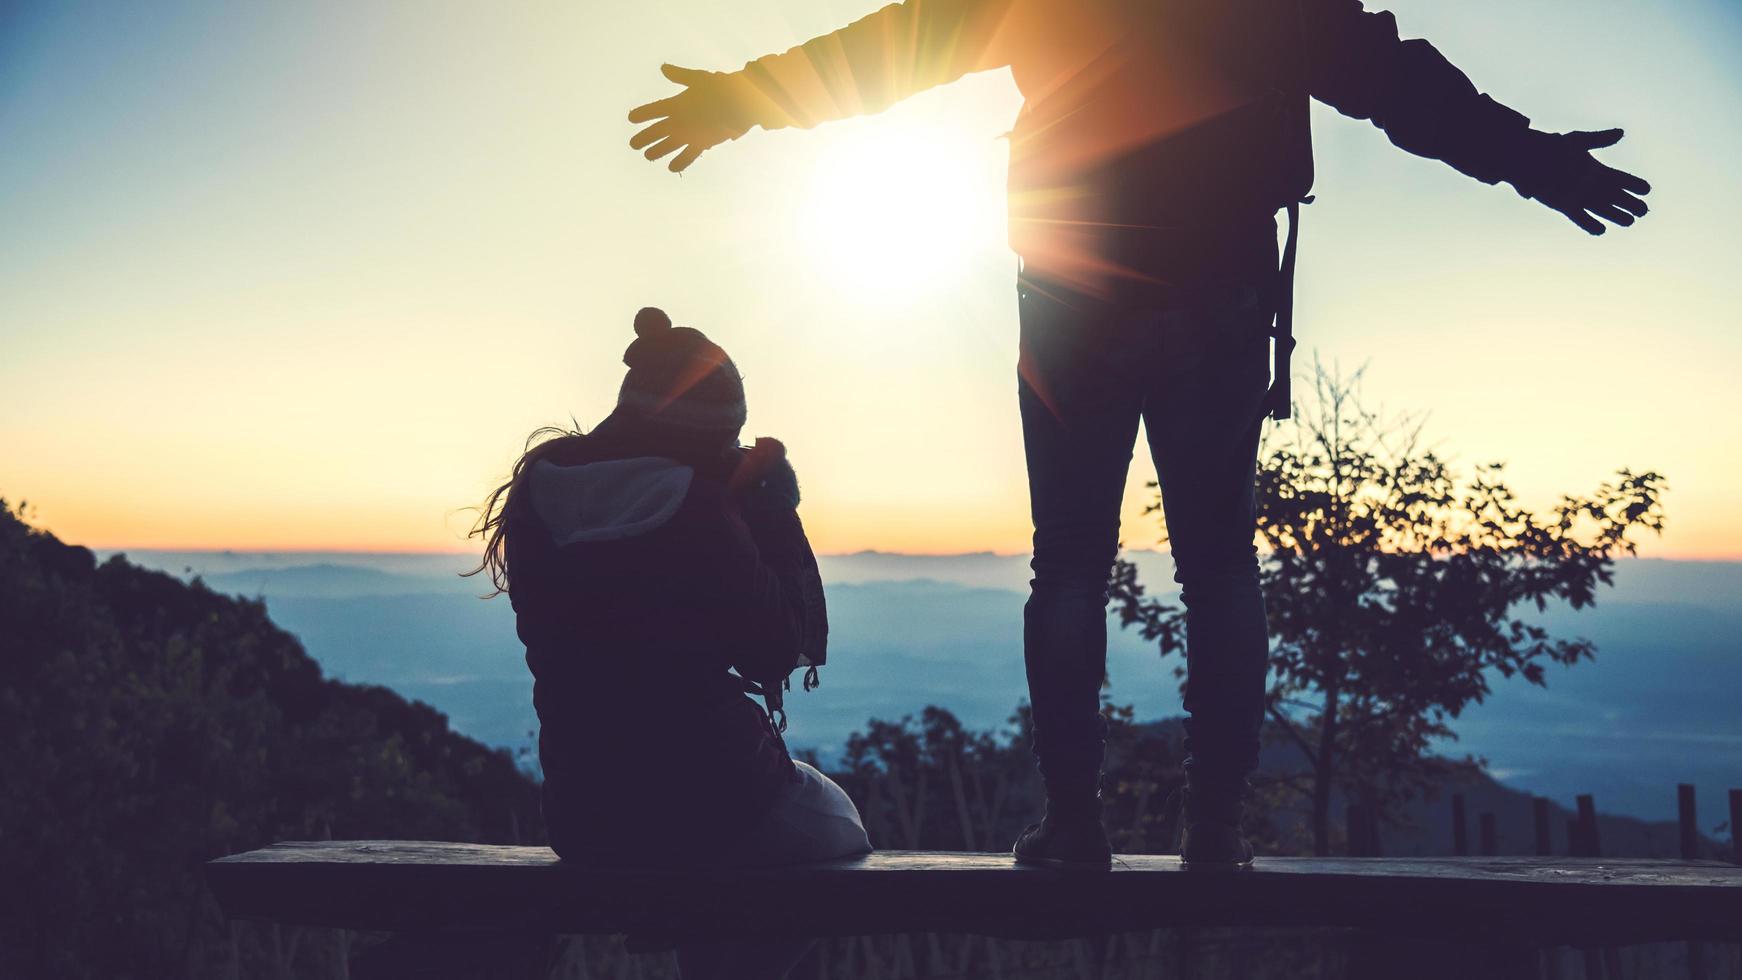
(1278, 401)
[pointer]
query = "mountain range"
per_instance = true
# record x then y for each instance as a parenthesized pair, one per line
(1657, 707)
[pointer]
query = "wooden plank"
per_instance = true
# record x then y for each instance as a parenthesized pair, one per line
(424, 887)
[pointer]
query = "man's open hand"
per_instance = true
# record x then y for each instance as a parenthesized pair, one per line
(1586, 191)
(711, 109)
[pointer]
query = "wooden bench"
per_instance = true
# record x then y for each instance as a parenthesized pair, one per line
(1425, 917)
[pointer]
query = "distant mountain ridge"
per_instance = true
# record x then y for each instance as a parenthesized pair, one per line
(331, 580)
(909, 630)
(1700, 583)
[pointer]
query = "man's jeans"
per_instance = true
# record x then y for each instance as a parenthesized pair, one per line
(1195, 369)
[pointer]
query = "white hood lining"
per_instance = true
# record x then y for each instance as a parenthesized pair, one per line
(609, 500)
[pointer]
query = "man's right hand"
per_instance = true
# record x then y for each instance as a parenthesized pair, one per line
(1570, 180)
(713, 108)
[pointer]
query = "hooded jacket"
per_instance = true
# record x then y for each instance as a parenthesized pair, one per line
(652, 590)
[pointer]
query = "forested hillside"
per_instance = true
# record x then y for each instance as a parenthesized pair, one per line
(147, 725)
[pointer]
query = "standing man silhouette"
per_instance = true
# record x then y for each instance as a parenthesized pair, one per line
(1157, 141)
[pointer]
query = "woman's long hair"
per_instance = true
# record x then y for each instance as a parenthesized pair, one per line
(499, 507)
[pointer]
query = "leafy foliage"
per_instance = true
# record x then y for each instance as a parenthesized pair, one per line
(1396, 591)
(147, 726)
(928, 783)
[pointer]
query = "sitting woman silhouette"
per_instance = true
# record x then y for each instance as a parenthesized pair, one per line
(659, 574)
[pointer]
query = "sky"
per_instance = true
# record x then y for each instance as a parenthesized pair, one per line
(305, 275)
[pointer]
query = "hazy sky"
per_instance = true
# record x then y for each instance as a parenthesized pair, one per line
(305, 274)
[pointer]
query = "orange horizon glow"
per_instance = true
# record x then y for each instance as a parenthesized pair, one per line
(437, 552)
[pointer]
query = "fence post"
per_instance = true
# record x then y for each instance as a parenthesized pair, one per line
(1363, 831)
(1591, 845)
(1490, 839)
(1539, 808)
(1736, 825)
(1690, 823)
(1460, 830)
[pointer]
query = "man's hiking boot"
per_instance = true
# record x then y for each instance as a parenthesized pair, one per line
(1070, 835)
(1070, 839)
(1210, 838)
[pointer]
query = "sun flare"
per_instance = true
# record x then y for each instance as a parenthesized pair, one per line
(898, 212)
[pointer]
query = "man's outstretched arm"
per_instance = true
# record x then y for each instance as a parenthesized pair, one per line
(1356, 63)
(862, 68)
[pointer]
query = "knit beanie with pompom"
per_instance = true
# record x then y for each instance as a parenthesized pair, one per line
(679, 378)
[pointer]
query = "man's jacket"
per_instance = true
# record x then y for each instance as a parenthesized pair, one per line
(1157, 137)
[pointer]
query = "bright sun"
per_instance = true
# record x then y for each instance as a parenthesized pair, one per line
(897, 212)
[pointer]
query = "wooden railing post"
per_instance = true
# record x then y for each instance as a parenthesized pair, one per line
(1363, 831)
(1539, 810)
(1690, 822)
(1736, 825)
(1460, 828)
(1590, 844)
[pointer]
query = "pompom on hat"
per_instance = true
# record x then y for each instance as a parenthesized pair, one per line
(679, 378)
